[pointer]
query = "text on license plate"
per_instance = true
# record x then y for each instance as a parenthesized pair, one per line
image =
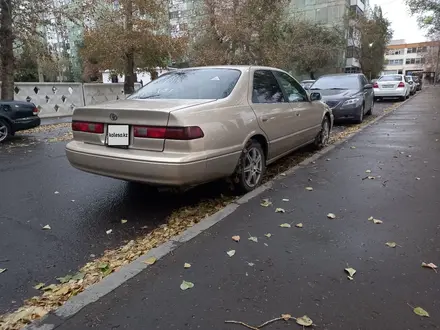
(118, 135)
(387, 86)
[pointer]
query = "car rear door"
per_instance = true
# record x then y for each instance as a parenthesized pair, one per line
(308, 115)
(368, 93)
(275, 115)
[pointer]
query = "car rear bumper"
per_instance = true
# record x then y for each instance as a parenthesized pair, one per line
(398, 92)
(169, 172)
(26, 123)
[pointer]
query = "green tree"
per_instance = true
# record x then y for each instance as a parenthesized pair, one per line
(129, 36)
(308, 47)
(370, 33)
(428, 12)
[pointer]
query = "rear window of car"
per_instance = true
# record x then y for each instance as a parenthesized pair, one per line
(191, 84)
(391, 78)
(337, 82)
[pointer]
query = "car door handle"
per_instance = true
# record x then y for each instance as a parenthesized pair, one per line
(297, 114)
(264, 118)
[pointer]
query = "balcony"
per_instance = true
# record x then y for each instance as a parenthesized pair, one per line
(360, 4)
(352, 62)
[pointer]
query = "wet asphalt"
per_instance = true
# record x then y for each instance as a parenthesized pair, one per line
(38, 187)
(301, 271)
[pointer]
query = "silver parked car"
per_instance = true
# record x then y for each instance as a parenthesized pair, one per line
(196, 125)
(391, 86)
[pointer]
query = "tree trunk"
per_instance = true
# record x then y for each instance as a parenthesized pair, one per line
(154, 75)
(130, 76)
(312, 75)
(6, 50)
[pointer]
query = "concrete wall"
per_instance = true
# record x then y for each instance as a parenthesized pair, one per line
(59, 99)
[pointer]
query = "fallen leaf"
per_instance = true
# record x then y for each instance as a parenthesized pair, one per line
(285, 199)
(108, 232)
(286, 317)
(430, 265)
(352, 147)
(331, 216)
(2, 270)
(47, 227)
(236, 238)
(73, 201)
(371, 177)
(251, 264)
(420, 312)
(368, 171)
(309, 188)
(78, 276)
(285, 225)
(124, 221)
(265, 244)
(417, 178)
(370, 219)
(39, 286)
(103, 266)
(377, 221)
(305, 321)
(268, 235)
(350, 271)
(64, 279)
(186, 265)
(63, 290)
(231, 253)
(49, 287)
(279, 210)
(266, 203)
(186, 285)
(150, 261)
(56, 192)
(391, 244)
(299, 225)
(253, 239)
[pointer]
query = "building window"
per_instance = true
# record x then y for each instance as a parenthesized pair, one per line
(322, 15)
(174, 14)
(395, 62)
(394, 51)
(411, 50)
(352, 52)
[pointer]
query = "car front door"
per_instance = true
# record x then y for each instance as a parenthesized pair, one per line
(275, 115)
(308, 115)
(368, 93)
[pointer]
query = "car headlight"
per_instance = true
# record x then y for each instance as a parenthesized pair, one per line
(351, 101)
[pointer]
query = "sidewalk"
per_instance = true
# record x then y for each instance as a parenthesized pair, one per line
(301, 270)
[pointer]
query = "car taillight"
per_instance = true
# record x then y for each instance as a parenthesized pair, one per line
(375, 85)
(35, 111)
(170, 133)
(81, 126)
(401, 84)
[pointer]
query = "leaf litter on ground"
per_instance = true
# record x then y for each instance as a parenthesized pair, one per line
(47, 227)
(299, 225)
(309, 188)
(186, 265)
(231, 253)
(265, 203)
(430, 265)
(351, 272)
(253, 239)
(236, 238)
(280, 210)
(304, 321)
(124, 221)
(285, 225)
(331, 216)
(150, 261)
(268, 235)
(391, 244)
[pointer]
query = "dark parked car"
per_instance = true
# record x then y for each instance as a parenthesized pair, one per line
(17, 116)
(350, 96)
(418, 82)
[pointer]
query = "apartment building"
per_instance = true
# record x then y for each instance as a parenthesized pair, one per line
(410, 58)
(181, 15)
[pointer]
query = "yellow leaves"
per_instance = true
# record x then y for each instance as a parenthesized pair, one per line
(286, 317)
(299, 225)
(186, 285)
(351, 272)
(186, 265)
(420, 312)
(375, 221)
(391, 244)
(266, 203)
(280, 210)
(309, 188)
(150, 261)
(123, 221)
(236, 238)
(430, 265)
(305, 321)
(285, 225)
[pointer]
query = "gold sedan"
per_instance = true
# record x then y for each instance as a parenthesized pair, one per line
(196, 125)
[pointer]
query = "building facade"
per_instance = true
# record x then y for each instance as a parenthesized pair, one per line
(411, 58)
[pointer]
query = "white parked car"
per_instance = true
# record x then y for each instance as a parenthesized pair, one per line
(392, 86)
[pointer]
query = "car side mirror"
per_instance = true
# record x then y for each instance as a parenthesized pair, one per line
(306, 88)
(315, 96)
(368, 86)
(411, 82)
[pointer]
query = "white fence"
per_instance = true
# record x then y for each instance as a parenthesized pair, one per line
(59, 99)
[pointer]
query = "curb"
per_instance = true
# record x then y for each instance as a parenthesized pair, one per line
(93, 293)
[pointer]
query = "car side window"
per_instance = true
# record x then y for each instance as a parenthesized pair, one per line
(266, 88)
(364, 80)
(294, 91)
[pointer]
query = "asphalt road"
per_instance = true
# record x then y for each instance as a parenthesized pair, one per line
(301, 271)
(38, 187)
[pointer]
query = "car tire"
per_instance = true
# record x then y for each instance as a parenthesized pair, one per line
(5, 130)
(360, 117)
(250, 169)
(323, 137)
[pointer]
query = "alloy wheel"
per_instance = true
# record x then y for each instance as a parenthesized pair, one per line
(253, 167)
(3, 131)
(325, 133)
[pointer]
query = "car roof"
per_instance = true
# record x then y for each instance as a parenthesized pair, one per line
(237, 67)
(342, 74)
(308, 80)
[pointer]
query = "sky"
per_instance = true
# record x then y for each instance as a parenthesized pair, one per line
(403, 24)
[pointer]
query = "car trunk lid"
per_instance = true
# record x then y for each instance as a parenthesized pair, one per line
(121, 118)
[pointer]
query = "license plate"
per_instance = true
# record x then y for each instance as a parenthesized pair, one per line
(387, 86)
(117, 135)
